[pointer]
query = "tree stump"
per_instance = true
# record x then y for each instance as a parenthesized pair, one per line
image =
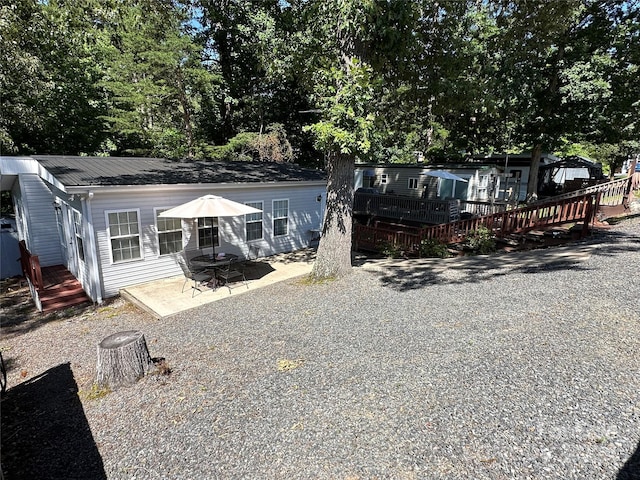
(123, 358)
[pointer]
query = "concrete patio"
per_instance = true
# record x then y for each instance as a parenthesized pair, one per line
(164, 298)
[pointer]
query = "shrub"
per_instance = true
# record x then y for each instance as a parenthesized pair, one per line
(433, 249)
(481, 241)
(270, 146)
(390, 250)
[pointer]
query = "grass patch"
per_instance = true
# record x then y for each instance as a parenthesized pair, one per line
(309, 280)
(286, 364)
(94, 393)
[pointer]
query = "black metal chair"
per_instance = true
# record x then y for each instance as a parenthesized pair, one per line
(198, 278)
(188, 255)
(234, 269)
(253, 257)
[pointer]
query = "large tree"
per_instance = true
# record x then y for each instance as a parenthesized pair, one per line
(50, 99)
(154, 78)
(559, 62)
(350, 44)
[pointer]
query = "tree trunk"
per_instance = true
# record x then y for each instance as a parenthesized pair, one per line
(123, 358)
(532, 184)
(333, 258)
(186, 111)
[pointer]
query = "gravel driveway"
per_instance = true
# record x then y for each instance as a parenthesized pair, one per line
(480, 373)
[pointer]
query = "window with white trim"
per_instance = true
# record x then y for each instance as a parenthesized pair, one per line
(208, 232)
(77, 230)
(280, 218)
(413, 183)
(483, 186)
(124, 235)
(383, 178)
(169, 233)
(253, 222)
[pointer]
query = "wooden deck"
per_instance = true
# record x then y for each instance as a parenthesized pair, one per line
(53, 288)
(405, 208)
(579, 209)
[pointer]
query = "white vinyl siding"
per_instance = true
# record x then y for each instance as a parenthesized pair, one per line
(280, 218)
(38, 220)
(124, 235)
(169, 233)
(232, 230)
(253, 223)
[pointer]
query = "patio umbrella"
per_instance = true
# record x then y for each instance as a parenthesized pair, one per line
(209, 206)
(446, 175)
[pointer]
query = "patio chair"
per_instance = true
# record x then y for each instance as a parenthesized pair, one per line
(188, 255)
(253, 257)
(234, 269)
(198, 278)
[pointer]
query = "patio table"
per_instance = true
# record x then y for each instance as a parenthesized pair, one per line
(212, 261)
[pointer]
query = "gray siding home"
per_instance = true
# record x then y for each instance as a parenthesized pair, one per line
(503, 177)
(98, 216)
(413, 180)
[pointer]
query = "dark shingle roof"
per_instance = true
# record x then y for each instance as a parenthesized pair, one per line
(100, 171)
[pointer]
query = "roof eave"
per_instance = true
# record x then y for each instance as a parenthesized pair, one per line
(79, 189)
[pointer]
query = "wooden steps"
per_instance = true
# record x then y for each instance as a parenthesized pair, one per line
(61, 290)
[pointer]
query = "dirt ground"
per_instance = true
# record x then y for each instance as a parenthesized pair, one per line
(19, 313)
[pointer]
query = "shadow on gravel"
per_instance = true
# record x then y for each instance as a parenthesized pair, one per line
(45, 433)
(416, 274)
(631, 469)
(19, 314)
(411, 278)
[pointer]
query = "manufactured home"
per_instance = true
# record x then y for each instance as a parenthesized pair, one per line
(481, 179)
(99, 216)
(466, 182)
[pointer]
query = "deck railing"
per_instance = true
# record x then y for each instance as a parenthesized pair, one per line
(406, 208)
(612, 193)
(30, 266)
(483, 208)
(519, 220)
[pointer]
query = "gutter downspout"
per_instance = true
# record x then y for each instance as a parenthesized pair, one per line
(96, 284)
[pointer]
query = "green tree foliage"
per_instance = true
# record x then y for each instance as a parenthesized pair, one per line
(154, 79)
(270, 146)
(564, 63)
(246, 41)
(51, 101)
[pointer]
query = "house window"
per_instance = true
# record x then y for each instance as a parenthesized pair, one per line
(124, 234)
(208, 232)
(369, 178)
(169, 233)
(383, 178)
(280, 217)
(483, 185)
(253, 222)
(77, 230)
(413, 183)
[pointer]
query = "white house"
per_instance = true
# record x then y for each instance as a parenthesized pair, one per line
(98, 216)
